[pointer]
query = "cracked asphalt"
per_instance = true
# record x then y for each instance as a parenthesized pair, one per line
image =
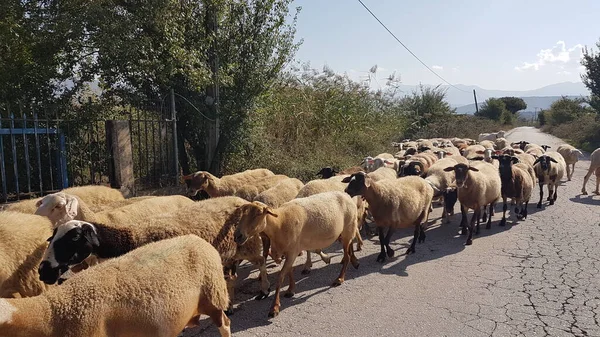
(537, 277)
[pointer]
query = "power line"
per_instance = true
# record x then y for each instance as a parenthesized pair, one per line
(405, 47)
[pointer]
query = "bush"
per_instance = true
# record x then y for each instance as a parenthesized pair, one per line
(314, 120)
(583, 132)
(462, 126)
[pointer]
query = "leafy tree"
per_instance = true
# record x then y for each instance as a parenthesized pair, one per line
(542, 117)
(566, 110)
(492, 109)
(507, 118)
(514, 104)
(427, 101)
(591, 76)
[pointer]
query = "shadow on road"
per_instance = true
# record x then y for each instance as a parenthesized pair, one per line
(586, 199)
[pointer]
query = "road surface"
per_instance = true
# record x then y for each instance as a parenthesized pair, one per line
(535, 278)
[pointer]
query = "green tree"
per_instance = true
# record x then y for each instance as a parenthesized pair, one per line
(492, 109)
(591, 76)
(427, 101)
(566, 110)
(514, 104)
(542, 117)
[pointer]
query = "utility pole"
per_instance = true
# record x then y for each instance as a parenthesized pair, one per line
(476, 106)
(212, 91)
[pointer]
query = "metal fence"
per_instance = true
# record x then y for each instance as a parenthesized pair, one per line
(41, 154)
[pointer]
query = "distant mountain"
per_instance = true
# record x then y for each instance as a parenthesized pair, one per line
(458, 98)
(533, 104)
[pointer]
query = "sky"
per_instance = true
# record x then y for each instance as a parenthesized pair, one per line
(494, 44)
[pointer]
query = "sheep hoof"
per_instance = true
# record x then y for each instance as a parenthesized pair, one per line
(355, 263)
(551, 202)
(469, 242)
(584, 192)
(337, 282)
(502, 223)
(539, 205)
(596, 192)
(381, 257)
(305, 271)
(261, 296)
(289, 294)
(273, 313)
(327, 260)
(390, 252)
(228, 312)
(410, 250)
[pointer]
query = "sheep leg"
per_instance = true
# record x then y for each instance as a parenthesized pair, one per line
(266, 245)
(504, 208)
(550, 191)
(230, 278)
(422, 234)
(476, 214)
(555, 196)
(291, 290)
(597, 191)
(265, 286)
(359, 241)
(489, 221)
(347, 256)
(389, 250)
(539, 204)
(569, 171)
(381, 256)
(586, 178)
(326, 258)
(307, 264)
(218, 317)
(463, 220)
(285, 270)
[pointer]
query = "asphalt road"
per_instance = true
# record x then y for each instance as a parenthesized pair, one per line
(538, 277)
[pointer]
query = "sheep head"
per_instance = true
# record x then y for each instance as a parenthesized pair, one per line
(544, 162)
(461, 172)
(196, 182)
(58, 207)
(252, 220)
(357, 183)
(70, 244)
(327, 172)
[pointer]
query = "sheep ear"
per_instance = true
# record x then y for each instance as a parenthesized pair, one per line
(514, 160)
(89, 232)
(480, 152)
(71, 206)
(449, 169)
(188, 177)
(448, 153)
(270, 211)
(553, 160)
(367, 181)
(38, 203)
(473, 169)
(347, 179)
(537, 161)
(495, 157)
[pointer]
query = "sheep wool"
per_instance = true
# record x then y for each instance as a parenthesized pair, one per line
(22, 244)
(174, 281)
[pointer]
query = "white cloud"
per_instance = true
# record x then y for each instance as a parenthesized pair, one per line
(564, 72)
(437, 67)
(455, 70)
(558, 55)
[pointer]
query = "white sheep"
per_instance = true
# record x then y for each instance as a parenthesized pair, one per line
(478, 186)
(488, 144)
(155, 290)
(310, 223)
(500, 143)
(491, 136)
(96, 196)
(251, 190)
(214, 220)
(549, 169)
(473, 152)
(23, 239)
(571, 156)
(394, 203)
(594, 165)
(226, 185)
(62, 207)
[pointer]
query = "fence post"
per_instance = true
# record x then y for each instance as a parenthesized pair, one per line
(175, 147)
(118, 142)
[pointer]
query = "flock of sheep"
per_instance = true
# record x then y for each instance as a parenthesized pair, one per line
(85, 260)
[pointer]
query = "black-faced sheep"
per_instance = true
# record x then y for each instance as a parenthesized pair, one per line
(478, 186)
(156, 290)
(418, 164)
(214, 220)
(441, 181)
(594, 165)
(310, 223)
(394, 203)
(224, 186)
(549, 169)
(516, 184)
